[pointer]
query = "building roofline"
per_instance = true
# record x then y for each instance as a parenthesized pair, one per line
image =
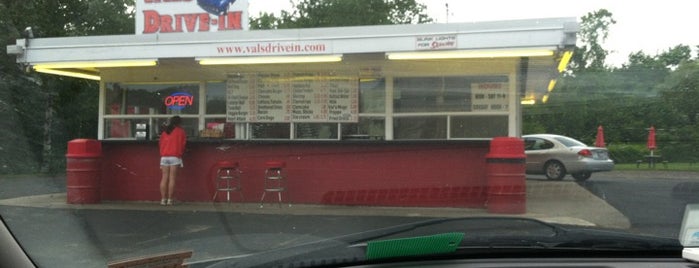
(544, 32)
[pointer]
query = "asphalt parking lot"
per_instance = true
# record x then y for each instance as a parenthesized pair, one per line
(35, 209)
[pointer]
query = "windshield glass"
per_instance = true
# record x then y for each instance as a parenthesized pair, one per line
(274, 133)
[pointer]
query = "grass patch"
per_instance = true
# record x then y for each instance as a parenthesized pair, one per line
(669, 166)
(24, 176)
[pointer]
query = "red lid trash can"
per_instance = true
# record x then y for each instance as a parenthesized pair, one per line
(83, 171)
(506, 179)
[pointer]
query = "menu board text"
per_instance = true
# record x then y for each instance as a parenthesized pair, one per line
(292, 97)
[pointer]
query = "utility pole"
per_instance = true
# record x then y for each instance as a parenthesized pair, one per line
(447, 7)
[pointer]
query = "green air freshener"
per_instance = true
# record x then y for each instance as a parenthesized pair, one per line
(414, 246)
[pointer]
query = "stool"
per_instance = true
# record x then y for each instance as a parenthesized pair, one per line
(227, 179)
(274, 180)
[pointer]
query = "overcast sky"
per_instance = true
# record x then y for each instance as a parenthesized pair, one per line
(652, 26)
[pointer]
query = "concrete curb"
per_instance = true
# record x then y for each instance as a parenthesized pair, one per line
(563, 202)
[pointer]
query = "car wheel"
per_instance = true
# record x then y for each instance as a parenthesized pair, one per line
(582, 176)
(554, 170)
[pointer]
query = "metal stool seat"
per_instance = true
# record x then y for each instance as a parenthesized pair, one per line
(227, 179)
(274, 180)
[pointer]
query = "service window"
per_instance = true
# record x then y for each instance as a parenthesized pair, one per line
(270, 131)
(138, 110)
(471, 126)
(215, 98)
(367, 128)
(431, 94)
(450, 107)
(151, 99)
(420, 128)
(322, 131)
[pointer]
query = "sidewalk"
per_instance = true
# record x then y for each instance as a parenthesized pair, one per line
(551, 201)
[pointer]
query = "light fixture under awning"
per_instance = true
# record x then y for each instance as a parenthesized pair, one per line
(96, 64)
(528, 101)
(465, 54)
(269, 59)
(88, 69)
(70, 72)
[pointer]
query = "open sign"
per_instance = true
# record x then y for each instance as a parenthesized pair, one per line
(178, 101)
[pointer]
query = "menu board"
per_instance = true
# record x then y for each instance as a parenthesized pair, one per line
(489, 96)
(292, 97)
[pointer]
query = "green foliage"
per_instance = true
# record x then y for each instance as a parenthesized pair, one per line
(680, 143)
(627, 152)
(264, 21)
(660, 90)
(50, 18)
(594, 30)
(18, 150)
(40, 112)
(681, 90)
(336, 13)
(670, 166)
(533, 127)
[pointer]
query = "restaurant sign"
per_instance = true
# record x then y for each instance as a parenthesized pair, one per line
(186, 16)
(490, 97)
(435, 42)
(178, 101)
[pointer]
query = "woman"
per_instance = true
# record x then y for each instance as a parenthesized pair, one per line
(172, 142)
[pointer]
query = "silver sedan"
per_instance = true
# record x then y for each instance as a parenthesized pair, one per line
(556, 155)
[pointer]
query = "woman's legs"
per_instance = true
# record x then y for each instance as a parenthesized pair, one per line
(167, 183)
(172, 176)
(164, 182)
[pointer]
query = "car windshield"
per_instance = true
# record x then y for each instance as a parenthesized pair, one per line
(302, 133)
(568, 142)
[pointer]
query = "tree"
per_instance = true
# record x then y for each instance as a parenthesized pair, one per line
(681, 90)
(594, 30)
(41, 109)
(335, 13)
(265, 21)
(666, 60)
(587, 83)
(643, 72)
(594, 93)
(20, 95)
(680, 93)
(51, 18)
(675, 56)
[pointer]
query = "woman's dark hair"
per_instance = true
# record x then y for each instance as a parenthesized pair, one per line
(172, 123)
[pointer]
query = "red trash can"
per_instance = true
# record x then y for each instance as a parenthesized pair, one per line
(505, 171)
(83, 168)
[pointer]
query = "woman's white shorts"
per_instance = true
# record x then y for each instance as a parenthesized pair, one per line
(171, 161)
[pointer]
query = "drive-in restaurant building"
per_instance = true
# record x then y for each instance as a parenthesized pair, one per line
(389, 115)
